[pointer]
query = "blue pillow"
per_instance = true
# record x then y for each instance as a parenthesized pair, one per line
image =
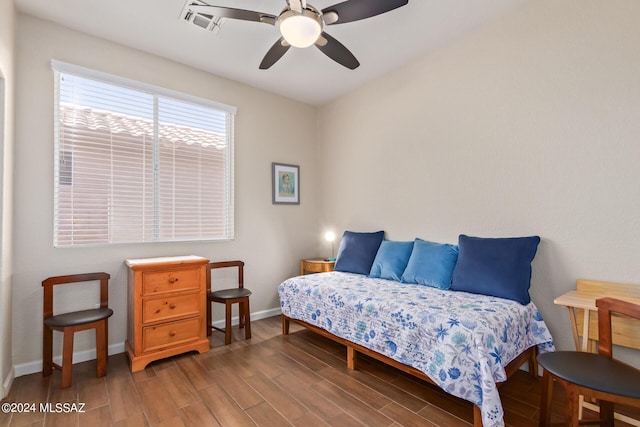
(495, 267)
(357, 251)
(391, 260)
(431, 264)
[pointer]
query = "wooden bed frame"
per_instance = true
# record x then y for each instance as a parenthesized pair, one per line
(353, 349)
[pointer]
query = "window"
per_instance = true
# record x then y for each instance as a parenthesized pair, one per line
(136, 163)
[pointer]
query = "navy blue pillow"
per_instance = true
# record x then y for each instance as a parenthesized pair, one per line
(499, 267)
(391, 260)
(357, 251)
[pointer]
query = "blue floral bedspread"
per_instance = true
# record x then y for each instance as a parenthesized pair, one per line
(462, 341)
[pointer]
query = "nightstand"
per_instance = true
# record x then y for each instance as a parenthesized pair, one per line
(166, 308)
(315, 265)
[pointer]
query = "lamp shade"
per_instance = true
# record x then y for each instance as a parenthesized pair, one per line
(300, 29)
(330, 236)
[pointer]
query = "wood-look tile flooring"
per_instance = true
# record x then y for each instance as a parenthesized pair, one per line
(270, 380)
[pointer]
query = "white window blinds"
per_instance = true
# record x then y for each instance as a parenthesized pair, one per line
(136, 163)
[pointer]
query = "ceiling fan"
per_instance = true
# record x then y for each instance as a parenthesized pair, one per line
(301, 25)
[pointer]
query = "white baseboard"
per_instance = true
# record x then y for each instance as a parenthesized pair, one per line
(83, 356)
(254, 316)
(8, 381)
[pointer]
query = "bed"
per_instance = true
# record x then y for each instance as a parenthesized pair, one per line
(467, 344)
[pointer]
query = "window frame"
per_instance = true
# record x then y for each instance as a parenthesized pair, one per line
(60, 67)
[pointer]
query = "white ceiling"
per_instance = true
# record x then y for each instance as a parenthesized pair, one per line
(380, 43)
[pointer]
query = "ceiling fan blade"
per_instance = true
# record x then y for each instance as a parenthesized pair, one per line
(336, 51)
(274, 54)
(228, 12)
(355, 10)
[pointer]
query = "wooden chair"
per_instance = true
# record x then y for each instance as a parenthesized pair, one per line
(71, 322)
(239, 295)
(593, 375)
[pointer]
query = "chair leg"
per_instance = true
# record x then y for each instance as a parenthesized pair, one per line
(47, 351)
(545, 399)
(209, 318)
(241, 319)
(573, 404)
(67, 357)
(533, 364)
(101, 349)
(227, 323)
(247, 320)
(606, 413)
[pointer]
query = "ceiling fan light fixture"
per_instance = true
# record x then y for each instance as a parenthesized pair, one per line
(300, 29)
(301, 25)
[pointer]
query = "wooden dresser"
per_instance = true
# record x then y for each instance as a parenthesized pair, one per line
(166, 308)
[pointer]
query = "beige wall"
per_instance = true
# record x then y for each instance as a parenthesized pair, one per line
(530, 125)
(269, 238)
(7, 84)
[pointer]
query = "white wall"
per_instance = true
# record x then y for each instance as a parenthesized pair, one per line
(530, 125)
(270, 238)
(7, 83)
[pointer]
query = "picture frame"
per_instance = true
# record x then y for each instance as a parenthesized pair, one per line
(285, 184)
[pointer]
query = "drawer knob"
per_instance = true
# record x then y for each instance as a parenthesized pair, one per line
(173, 279)
(172, 306)
(172, 333)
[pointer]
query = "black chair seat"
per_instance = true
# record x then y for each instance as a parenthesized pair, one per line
(593, 371)
(233, 293)
(228, 297)
(77, 318)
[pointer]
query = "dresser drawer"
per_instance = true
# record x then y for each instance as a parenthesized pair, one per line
(315, 266)
(169, 334)
(170, 306)
(157, 282)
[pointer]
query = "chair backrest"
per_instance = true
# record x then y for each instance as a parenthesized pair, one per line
(606, 306)
(49, 283)
(225, 264)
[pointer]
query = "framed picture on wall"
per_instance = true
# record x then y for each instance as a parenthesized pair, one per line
(285, 184)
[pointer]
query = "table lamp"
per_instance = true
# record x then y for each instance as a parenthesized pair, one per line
(330, 236)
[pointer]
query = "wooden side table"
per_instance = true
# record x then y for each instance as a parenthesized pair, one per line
(315, 265)
(583, 312)
(575, 301)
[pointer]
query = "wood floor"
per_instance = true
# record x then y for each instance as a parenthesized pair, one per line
(270, 380)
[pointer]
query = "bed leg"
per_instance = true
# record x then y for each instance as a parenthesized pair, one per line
(533, 363)
(477, 416)
(285, 325)
(352, 356)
